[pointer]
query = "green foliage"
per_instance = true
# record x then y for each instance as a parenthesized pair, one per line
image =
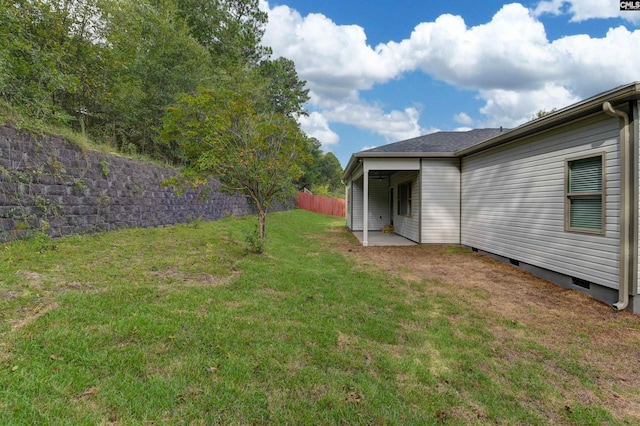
(231, 30)
(112, 69)
(541, 113)
(221, 134)
(104, 168)
(243, 30)
(255, 243)
(153, 61)
(323, 174)
(285, 93)
(35, 61)
(109, 68)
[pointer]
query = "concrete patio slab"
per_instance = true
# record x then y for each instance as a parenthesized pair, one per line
(377, 238)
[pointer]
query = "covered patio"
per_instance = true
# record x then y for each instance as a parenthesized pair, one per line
(413, 185)
(380, 194)
(377, 238)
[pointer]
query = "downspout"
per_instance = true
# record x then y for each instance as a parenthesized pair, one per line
(365, 206)
(625, 205)
(420, 204)
(459, 200)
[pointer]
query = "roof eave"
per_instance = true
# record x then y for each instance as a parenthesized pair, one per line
(358, 156)
(350, 166)
(581, 109)
(565, 115)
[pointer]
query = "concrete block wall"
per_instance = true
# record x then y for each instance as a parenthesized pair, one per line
(47, 183)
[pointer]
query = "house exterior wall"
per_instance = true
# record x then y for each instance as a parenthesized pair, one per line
(357, 199)
(513, 201)
(635, 130)
(440, 201)
(378, 203)
(407, 226)
(348, 207)
(354, 192)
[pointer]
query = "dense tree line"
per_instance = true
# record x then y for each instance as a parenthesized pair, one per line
(112, 69)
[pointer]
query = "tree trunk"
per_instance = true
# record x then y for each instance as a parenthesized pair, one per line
(262, 225)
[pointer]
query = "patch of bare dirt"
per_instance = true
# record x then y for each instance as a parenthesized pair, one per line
(519, 305)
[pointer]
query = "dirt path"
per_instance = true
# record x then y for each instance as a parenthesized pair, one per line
(566, 321)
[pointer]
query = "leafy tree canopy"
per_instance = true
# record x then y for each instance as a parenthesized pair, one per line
(222, 134)
(153, 61)
(323, 174)
(110, 67)
(541, 113)
(230, 29)
(187, 81)
(285, 93)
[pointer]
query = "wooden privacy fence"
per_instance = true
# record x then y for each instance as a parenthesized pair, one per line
(321, 204)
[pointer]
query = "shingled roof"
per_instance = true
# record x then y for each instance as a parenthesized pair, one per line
(438, 142)
(461, 144)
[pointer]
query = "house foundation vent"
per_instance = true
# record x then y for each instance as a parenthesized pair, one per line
(581, 283)
(514, 262)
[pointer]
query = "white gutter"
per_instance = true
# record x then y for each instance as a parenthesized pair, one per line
(626, 177)
(592, 105)
(589, 106)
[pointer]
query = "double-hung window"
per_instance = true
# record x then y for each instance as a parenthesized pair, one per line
(404, 199)
(585, 198)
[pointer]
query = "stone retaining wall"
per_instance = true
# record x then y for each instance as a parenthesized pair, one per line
(47, 183)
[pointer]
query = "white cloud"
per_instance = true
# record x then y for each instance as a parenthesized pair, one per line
(591, 65)
(582, 10)
(510, 108)
(551, 7)
(463, 118)
(510, 51)
(509, 61)
(316, 126)
(395, 125)
(335, 59)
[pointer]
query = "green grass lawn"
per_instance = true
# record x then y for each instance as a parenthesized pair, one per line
(181, 325)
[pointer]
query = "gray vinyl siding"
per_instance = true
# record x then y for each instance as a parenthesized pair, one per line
(349, 206)
(407, 226)
(357, 200)
(378, 203)
(440, 201)
(513, 201)
(635, 137)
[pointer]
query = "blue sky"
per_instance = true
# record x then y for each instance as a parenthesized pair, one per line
(382, 71)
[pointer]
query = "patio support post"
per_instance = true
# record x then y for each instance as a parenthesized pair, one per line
(365, 208)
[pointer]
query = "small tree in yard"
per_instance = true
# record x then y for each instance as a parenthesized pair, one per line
(219, 133)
